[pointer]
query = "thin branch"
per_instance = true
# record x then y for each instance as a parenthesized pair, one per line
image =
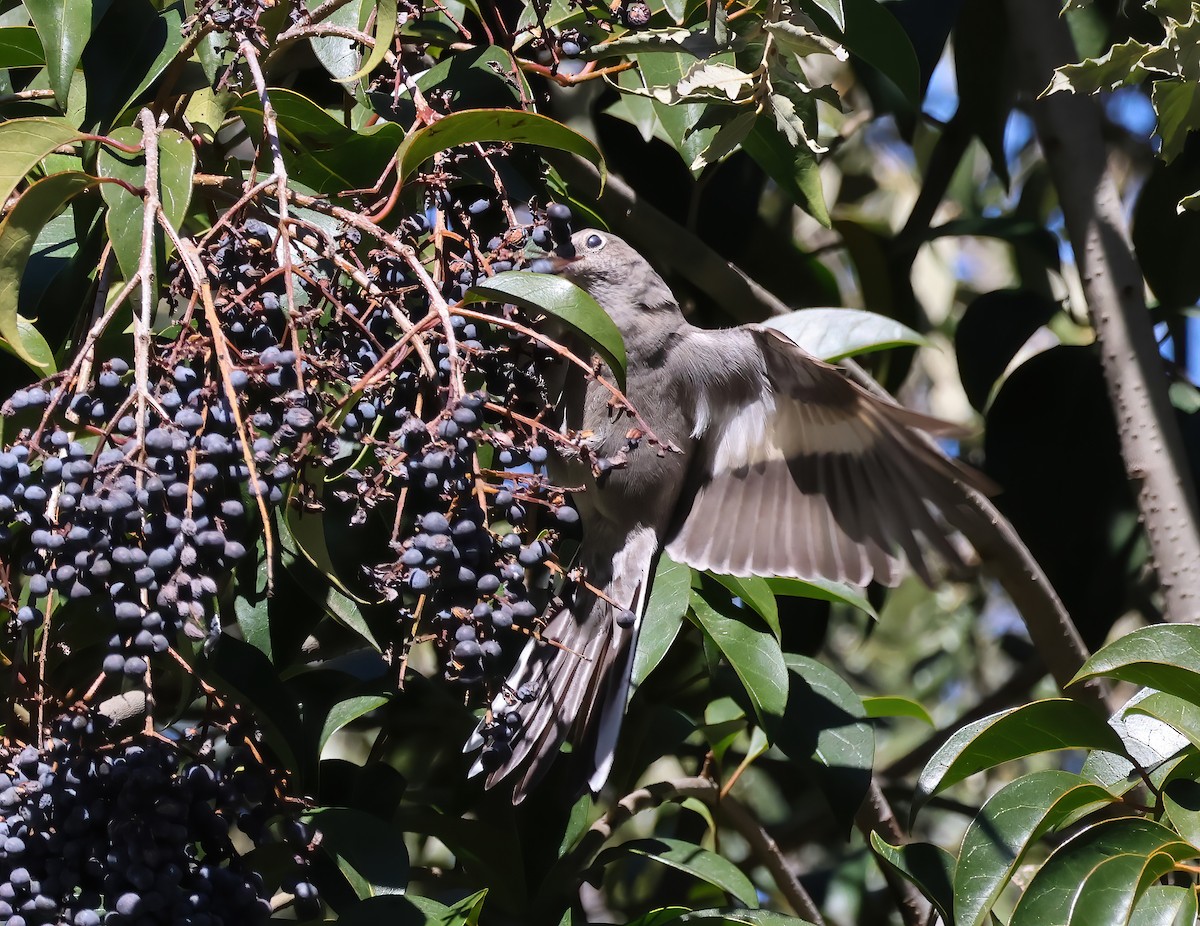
(146, 262)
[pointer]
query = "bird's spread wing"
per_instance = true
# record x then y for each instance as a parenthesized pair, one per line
(807, 475)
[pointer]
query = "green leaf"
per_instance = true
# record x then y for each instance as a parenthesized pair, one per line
(669, 596)
(493, 125)
(65, 27)
(24, 142)
(691, 859)
(823, 590)
(563, 300)
(1119, 67)
(1040, 726)
(824, 731)
(176, 165)
(985, 90)
(244, 670)
(18, 233)
(340, 56)
(395, 910)
(731, 134)
(317, 149)
(320, 586)
(686, 124)
(385, 30)
(873, 34)
(32, 345)
(1178, 108)
(834, 334)
(895, 706)
(1011, 821)
(1184, 716)
(794, 168)
(1181, 798)
(740, 918)
(754, 655)
(1165, 905)
(660, 917)
(1164, 656)
(1148, 741)
(20, 47)
(755, 593)
(926, 866)
(369, 851)
(1096, 878)
(831, 8)
(346, 712)
(129, 49)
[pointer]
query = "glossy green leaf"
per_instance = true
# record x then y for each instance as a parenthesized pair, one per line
(1097, 878)
(896, 706)
(129, 50)
(832, 8)
(753, 653)
(395, 910)
(1182, 715)
(660, 917)
(24, 142)
(824, 731)
(64, 27)
(385, 31)
(833, 334)
(793, 167)
(685, 124)
(1178, 109)
(176, 166)
(318, 150)
(1011, 821)
(18, 233)
(1165, 905)
(740, 918)
(1163, 656)
(1147, 740)
(691, 859)
(244, 670)
(346, 712)
(493, 125)
(668, 604)
(20, 47)
(33, 346)
(755, 592)
(873, 34)
(823, 590)
(926, 866)
(1179, 785)
(562, 299)
(1040, 726)
(340, 56)
(369, 851)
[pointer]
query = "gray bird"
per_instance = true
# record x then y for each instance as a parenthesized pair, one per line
(779, 466)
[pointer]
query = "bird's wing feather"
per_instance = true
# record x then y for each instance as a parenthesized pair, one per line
(809, 476)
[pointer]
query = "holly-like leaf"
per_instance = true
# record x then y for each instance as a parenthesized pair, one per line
(1120, 66)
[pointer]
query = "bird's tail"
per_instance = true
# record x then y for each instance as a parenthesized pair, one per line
(571, 684)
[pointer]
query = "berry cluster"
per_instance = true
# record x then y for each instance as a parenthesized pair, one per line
(139, 833)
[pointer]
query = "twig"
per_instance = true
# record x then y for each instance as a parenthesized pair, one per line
(876, 815)
(199, 277)
(146, 260)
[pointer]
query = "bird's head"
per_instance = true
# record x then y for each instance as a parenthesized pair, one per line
(615, 275)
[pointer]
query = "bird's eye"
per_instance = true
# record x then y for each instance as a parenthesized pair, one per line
(594, 241)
